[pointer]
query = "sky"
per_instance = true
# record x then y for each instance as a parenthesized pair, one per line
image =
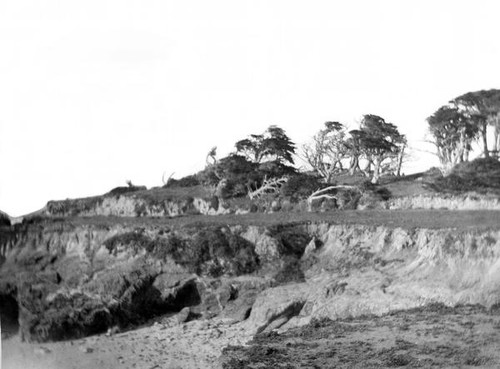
(97, 92)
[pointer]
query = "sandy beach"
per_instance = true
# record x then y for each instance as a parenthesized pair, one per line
(165, 344)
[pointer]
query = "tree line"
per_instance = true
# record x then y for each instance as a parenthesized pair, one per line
(464, 120)
(373, 149)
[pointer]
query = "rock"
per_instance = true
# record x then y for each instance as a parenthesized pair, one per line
(41, 350)
(112, 331)
(281, 302)
(183, 315)
(266, 247)
(232, 298)
(177, 290)
(311, 247)
(86, 349)
(240, 308)
(47, 316)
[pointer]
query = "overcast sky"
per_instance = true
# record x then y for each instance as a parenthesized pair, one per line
(96, 92)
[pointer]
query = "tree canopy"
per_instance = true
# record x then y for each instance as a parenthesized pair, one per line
(482, 109)
(378, 140)
(373, 142)
(272, 145)
(327, 150)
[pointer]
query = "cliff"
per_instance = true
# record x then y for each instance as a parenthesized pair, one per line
(74, 277)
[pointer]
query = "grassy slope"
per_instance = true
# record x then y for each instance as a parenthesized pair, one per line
(432, 219)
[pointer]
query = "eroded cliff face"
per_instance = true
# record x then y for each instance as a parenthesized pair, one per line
(356, 270)
(133, 206)
(73, 280)
(469, 201)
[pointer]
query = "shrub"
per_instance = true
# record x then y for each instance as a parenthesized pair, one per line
(135, 239)
(188, 181)
(235, 174)
(480, 175)
(275, 168)
(300, 186)
(4, 219)
(376, 191)
(122, 190)
(213, 251)
(293, 239)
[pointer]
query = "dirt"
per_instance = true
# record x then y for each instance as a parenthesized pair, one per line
(164, 344)
(434, 336)
(431, 337)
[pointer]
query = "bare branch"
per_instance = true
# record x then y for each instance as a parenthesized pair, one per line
(211, 158)
(320, 194)
(169, 178)
(268, 186)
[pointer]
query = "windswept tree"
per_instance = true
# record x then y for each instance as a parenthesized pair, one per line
(453, 133)
(482, 109)
(272, 145)
(354, 150)
(211, 158)
(327, 150)
(379, 141)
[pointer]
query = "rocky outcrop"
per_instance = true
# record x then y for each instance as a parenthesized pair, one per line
(74, 280)
(374, 270)
(133, 205)
(469, 201)
(199, 201)
(71, 280)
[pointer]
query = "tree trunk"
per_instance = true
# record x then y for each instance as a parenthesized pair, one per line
(484, 132)
(400, 160)
(354, 165)
(496, 143)
(496, 138)
(376, 170)
(368, 167)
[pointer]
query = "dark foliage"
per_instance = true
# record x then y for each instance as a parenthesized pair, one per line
(136, 240)
(293, 239)
(378, 191)
(233, 174)
(128, 189)
(272, 145)
(9, 315)
(215, 252)
(481, 175)
(188, 181)
(300, 186)
(4, 219)
(60, 318)
(275, 168)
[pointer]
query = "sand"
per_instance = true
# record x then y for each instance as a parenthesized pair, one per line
(166, 344)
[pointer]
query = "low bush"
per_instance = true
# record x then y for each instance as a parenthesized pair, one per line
(135, 240)
(188, 181)
(215, 251)
(481, 175)
(293, 239)
(300, 186)
(125, 189)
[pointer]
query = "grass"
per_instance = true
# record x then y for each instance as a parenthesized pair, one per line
(431, 219)
(434, 336)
